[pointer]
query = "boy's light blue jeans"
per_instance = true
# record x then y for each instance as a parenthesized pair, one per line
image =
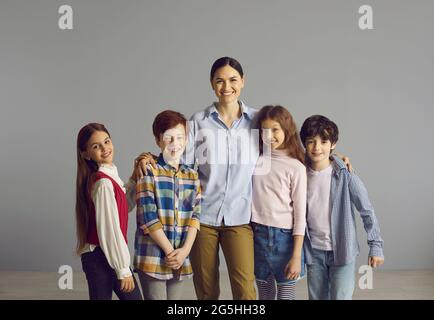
(325, 281)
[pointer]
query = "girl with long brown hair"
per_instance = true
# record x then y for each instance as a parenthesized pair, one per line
(102, 208)
(278, 206)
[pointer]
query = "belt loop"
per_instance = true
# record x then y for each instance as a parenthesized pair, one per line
(270, 236)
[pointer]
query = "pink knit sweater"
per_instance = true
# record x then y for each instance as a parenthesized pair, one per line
(279, 196)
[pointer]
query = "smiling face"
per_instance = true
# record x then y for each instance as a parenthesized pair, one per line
(273, 134)
(318, 150)
(227, 84)
(99, 148)
(172, 143)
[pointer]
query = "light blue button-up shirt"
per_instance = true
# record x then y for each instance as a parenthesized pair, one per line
(348, 194)
(225, 159)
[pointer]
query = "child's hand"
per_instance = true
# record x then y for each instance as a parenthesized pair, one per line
(127, 284)
(293, 268)
(176, 258)
(140, 163)
(375, 261)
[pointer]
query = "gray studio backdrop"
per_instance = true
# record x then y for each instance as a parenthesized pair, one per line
(125, 61)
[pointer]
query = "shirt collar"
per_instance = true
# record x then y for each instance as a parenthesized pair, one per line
(110, 170)
(338, 164)
(245, 110)
(167, 166)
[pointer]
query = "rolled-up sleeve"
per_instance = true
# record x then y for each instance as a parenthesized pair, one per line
(147, 215)
(195, 218)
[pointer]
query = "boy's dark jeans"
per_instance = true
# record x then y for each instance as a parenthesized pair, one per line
(102, 280)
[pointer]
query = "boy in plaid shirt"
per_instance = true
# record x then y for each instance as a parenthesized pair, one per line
(168, 209)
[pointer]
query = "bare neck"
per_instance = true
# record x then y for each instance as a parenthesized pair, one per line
(229, 112)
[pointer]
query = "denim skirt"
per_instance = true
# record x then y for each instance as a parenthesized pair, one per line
(273, 250)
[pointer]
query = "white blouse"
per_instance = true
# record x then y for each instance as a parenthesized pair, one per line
(110, 236)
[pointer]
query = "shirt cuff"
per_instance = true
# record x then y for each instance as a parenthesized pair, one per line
(194, 223)
(375, 252)
(154, 227)
(298, 231)
(123, 273)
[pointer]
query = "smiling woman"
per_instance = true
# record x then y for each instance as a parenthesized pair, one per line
(227, 83)
(227, 80)
(227, 188)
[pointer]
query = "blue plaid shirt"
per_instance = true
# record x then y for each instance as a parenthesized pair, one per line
(170, 200)
(347, 194)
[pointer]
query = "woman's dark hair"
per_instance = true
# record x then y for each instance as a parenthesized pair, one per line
(284, 118)
(225, 61)
(319, 125)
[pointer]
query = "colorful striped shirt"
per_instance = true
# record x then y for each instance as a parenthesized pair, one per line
(170, 200)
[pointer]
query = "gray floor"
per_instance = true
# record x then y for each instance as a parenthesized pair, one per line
(405, 284)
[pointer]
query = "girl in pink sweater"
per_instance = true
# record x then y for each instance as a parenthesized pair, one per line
(279, 206)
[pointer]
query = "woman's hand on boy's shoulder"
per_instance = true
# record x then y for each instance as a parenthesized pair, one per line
(141, 162)
(346, 160)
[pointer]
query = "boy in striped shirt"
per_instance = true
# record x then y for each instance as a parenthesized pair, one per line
(168, 209)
